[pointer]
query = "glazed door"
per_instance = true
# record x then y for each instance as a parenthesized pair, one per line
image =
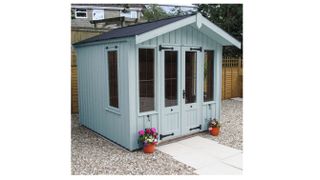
(190, 121)
(170, 88)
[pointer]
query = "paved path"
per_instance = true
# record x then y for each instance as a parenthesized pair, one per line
(206, 156)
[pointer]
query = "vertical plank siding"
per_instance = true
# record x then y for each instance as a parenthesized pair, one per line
(77, 36)
(92, 72)
(122, 128)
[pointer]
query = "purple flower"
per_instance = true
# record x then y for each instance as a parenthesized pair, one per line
(153, 130)
(141, 132)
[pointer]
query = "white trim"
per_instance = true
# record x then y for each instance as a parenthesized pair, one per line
(75, 14)
(107, 8)
(113, 110)
(200, 21)
(147, 113)
(130, 11)
(214, 76)
(199, 24)
(208, 102)
(109, 107)
(164, 29)
(155, 111)
(230, 40)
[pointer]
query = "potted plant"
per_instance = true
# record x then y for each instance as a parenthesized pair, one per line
(149, 138)
(214, 127)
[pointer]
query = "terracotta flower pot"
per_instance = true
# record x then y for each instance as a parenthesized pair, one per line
(215, 131)
(149, 148)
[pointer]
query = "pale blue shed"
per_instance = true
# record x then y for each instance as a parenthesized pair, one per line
(164, 74)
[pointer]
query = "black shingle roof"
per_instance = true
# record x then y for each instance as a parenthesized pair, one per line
(132, 30)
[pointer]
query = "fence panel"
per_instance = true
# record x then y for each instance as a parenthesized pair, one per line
(231, 78)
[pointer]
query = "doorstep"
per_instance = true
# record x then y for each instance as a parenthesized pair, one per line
(206, 156)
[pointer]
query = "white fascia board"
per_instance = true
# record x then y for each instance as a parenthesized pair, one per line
(220, 32)
(164, 29)
(107, 8)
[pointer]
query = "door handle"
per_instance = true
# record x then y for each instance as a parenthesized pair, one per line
(184, 94)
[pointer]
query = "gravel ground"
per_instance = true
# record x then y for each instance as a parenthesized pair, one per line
(92, 154)
(231, 125)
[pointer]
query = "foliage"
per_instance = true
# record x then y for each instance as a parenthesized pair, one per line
(72, 14)
(178, 11)
(154, 12)
(213, 124)
(148, 136)
(229, 18)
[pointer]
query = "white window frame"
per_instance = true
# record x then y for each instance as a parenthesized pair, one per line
(155, 111)
(79, 17)
(214, 77)
(98, 10)
(130, 11)
(109, 107)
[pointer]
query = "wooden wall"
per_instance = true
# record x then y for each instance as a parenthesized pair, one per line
(94, 111)
(77, 36)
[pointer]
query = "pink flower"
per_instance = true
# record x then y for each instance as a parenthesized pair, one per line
(148, 131)
(141, 132)
(153, 130)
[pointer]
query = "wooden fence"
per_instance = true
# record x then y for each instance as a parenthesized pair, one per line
(231, 77)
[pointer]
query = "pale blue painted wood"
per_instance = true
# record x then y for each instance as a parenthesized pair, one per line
(122, 128)
(187, 36)
(92, 72)
(190, 36)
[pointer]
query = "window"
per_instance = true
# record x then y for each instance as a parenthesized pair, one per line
(171, 78)
(113, 79)
(97, 14)
(146, 80)
(208, 76)
(81, 13)
(191, 77)
(129, 14)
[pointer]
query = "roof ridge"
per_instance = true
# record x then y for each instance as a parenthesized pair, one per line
(171, 17)
(135, 29)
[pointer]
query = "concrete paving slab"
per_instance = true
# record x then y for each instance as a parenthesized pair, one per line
(221, 151)
(196, 160)
(206, 156)
(198, 142)
(235, 161)
(175, 149)
(218, 169)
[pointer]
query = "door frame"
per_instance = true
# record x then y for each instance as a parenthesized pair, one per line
(185, 129)
(181, 102)
(164, 110)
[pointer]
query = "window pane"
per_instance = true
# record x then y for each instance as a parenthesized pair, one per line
(191, 77)
(146, 79)
(113, 78)
(208, 76)
(171, 81)
(81, 13)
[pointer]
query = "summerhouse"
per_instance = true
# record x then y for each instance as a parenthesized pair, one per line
(164, 74)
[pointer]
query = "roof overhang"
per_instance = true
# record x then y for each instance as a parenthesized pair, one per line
(202, 23)
(104, 7)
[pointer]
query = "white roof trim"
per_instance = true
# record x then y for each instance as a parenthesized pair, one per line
(220, 32)
(199, 20)
(164, 29)
(106, 7)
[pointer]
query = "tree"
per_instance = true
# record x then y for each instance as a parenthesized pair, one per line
(179, 11)
(154, 12)
(227, 17)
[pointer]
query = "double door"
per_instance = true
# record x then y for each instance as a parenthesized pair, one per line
(180, 84)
